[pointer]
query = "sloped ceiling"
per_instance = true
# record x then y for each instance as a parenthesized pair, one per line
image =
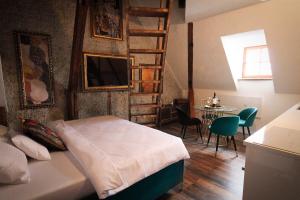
(200, 9)
(279, 19)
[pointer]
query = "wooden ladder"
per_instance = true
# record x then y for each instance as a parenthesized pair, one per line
(138, 111)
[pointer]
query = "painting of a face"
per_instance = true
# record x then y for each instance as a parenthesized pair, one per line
(106, 19)
(35, 70)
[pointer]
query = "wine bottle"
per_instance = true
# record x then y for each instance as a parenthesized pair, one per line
(215, 100)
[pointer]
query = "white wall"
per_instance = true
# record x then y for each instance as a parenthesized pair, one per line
(258, 93)
(280, 19)
(200, 9)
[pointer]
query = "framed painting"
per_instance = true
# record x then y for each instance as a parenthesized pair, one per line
(105, 72)
(35, 70)
(107, 19)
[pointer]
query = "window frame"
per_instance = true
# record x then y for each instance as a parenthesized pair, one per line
(255, 77)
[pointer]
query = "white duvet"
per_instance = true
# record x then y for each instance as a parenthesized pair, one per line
(116, 153)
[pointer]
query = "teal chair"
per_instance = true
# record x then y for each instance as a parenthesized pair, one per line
(247, 117)
(224, 126)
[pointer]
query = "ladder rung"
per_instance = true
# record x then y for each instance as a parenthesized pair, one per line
(144, 115)
(145, 81)
(149, 124)
(147, 51)
(148, 12)
(147, 67)
(143, 32)
(144, 94)
(145, 105)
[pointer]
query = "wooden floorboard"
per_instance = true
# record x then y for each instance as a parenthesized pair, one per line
(209, 176)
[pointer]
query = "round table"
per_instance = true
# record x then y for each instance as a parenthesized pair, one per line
(209, 113)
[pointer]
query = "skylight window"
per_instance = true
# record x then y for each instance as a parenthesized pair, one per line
(247, 55)
(256, 63)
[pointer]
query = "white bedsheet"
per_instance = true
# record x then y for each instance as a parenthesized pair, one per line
(116, 153)
(60, 178)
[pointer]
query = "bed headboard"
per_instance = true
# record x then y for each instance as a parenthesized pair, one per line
(3, 116)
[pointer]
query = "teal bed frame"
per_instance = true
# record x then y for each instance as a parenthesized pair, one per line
(151, 187)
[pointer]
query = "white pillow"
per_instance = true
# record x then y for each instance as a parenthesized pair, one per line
(13, 165)
(31, 148)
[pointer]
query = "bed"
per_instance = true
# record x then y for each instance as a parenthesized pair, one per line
(67, 177)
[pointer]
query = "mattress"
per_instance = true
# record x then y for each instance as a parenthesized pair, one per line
(60, 178)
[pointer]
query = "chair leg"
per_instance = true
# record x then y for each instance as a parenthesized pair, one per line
(199, 128)
(233, 140)
(244, 132)
(184, 130)
(181, 132)
(227, 141)
(248, 130)
(217, 145)
(208, 138)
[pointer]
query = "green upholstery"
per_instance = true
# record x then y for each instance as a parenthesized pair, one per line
(247, 117)
(224, 126)
(151, 187)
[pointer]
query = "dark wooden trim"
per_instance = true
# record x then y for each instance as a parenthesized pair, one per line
(109, 102)
(190, 70)
(76, 57)
(3, 116)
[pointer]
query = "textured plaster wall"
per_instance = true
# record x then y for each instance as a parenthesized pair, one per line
(57, 19)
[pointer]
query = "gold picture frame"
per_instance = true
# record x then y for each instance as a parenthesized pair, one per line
(86, 74)
(106, 17)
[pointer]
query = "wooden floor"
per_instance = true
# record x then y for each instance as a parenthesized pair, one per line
(209, 176)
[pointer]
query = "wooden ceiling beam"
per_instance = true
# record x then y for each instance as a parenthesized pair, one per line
(190, 70)
(76, 56)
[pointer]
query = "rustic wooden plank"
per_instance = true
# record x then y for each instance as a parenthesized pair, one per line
(76, 56)
(145, 105)
(148, 12)
(144, 94)
(164, 44)
(147, 51)
(158, 61)
(207, 176)
(145, 81)
(146, 33)
(190, 70)
(149, 124)
(156, 67)
(129, 64)
(143, 115)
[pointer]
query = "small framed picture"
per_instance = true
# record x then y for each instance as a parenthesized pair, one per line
(107, 19)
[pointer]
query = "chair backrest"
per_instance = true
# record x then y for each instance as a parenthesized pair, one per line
(183, 117)
(248, 114)
(226, 126)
